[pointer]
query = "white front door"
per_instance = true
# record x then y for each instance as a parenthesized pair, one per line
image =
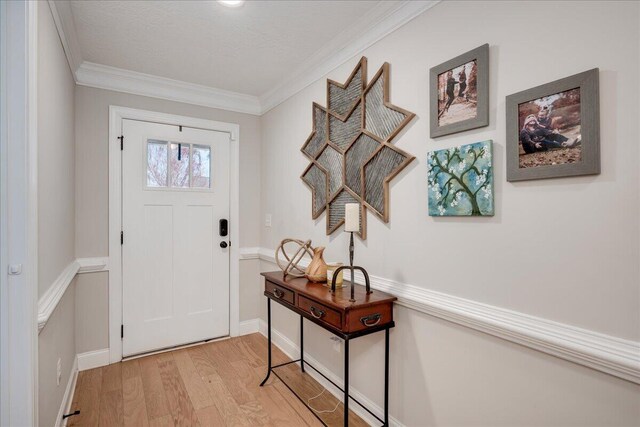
(175, 270)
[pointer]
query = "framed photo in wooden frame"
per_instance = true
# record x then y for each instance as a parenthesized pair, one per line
(459, 93)
(553, 130)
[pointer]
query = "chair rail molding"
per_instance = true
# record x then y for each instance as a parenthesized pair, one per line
(93, 265)
(612, 355)
(52, 296)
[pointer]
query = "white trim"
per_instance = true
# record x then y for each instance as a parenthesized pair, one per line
(67, 399)
(292, 350)
(380, 21)
(344, 47)
(19, 96)
(249, 327)
(120, 80)
(93, 359)
(52, 296)
(605, 353)
(92, 265)
(63, 18)
(116, 115)
(249, 253)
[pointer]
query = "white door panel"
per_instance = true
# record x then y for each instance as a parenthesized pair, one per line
(175, 274)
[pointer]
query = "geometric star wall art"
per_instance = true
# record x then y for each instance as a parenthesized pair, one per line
(351, 156)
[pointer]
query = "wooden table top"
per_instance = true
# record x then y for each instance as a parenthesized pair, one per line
(322, 293)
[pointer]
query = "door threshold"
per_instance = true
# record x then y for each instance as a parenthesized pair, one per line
(177, 347)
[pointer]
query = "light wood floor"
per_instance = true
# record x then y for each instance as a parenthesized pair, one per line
(214, 384)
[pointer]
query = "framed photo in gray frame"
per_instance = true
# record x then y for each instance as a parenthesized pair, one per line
(459, 93)
(553, 130)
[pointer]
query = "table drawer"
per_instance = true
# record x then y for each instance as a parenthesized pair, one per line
(321, 312)
(278, 292)
(368, 317)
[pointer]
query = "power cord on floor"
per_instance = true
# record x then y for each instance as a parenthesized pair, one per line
(318, 411)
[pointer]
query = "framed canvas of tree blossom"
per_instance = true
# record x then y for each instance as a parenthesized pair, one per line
(460, 180)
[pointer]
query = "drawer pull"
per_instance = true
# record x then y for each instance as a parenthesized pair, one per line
(278, 293)
(316, 313)
(371, 320)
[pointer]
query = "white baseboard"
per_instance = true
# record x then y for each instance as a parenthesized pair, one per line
(93, 359)
(65, 405)
(292, 350)
(249, 327)
(606, 353)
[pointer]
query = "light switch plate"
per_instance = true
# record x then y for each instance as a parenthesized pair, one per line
(267, 220)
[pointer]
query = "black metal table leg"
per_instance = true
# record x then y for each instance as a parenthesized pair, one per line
(346, 382)
(301, 344)
(386, 377)
(269, 337)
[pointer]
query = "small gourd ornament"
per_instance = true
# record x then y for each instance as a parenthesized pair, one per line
(317, 269)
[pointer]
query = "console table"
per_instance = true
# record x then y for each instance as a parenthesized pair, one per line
(334, 312)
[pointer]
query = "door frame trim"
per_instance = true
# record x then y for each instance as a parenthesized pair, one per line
(116, 115)
(19, 212)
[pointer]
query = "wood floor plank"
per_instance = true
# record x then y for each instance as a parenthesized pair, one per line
(307, 388)
(279, 412)
(217, 383)
(182, 409)
(154, 395)
(111, 410)
(196, 388)
(130, 369)
(303, 412)
(134, 406)
(76, 394)
(224, 369)
(165, 421)
(89, 399)
(223, 400)
(201, 360)
(112, 377)
(210, 416)
(256, 360)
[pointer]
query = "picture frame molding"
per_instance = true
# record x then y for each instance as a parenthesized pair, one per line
(588, 83)
(481, 55)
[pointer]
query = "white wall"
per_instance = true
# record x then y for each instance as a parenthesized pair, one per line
(56, 211)
(561, 249)
(92, 191)
(56, 141)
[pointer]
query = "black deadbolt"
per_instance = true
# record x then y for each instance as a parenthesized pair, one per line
(224, 226)
(223, 245)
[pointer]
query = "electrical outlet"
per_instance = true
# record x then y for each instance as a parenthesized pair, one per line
(336, 344)
(267, 220)
(59, 371)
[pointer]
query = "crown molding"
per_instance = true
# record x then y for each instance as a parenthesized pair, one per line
(120, 80)
(381, 21)
(63, 19)
(612, 355)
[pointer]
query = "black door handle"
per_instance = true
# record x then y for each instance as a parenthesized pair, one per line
(223, 245)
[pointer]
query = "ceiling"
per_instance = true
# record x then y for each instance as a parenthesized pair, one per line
(250, 58)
